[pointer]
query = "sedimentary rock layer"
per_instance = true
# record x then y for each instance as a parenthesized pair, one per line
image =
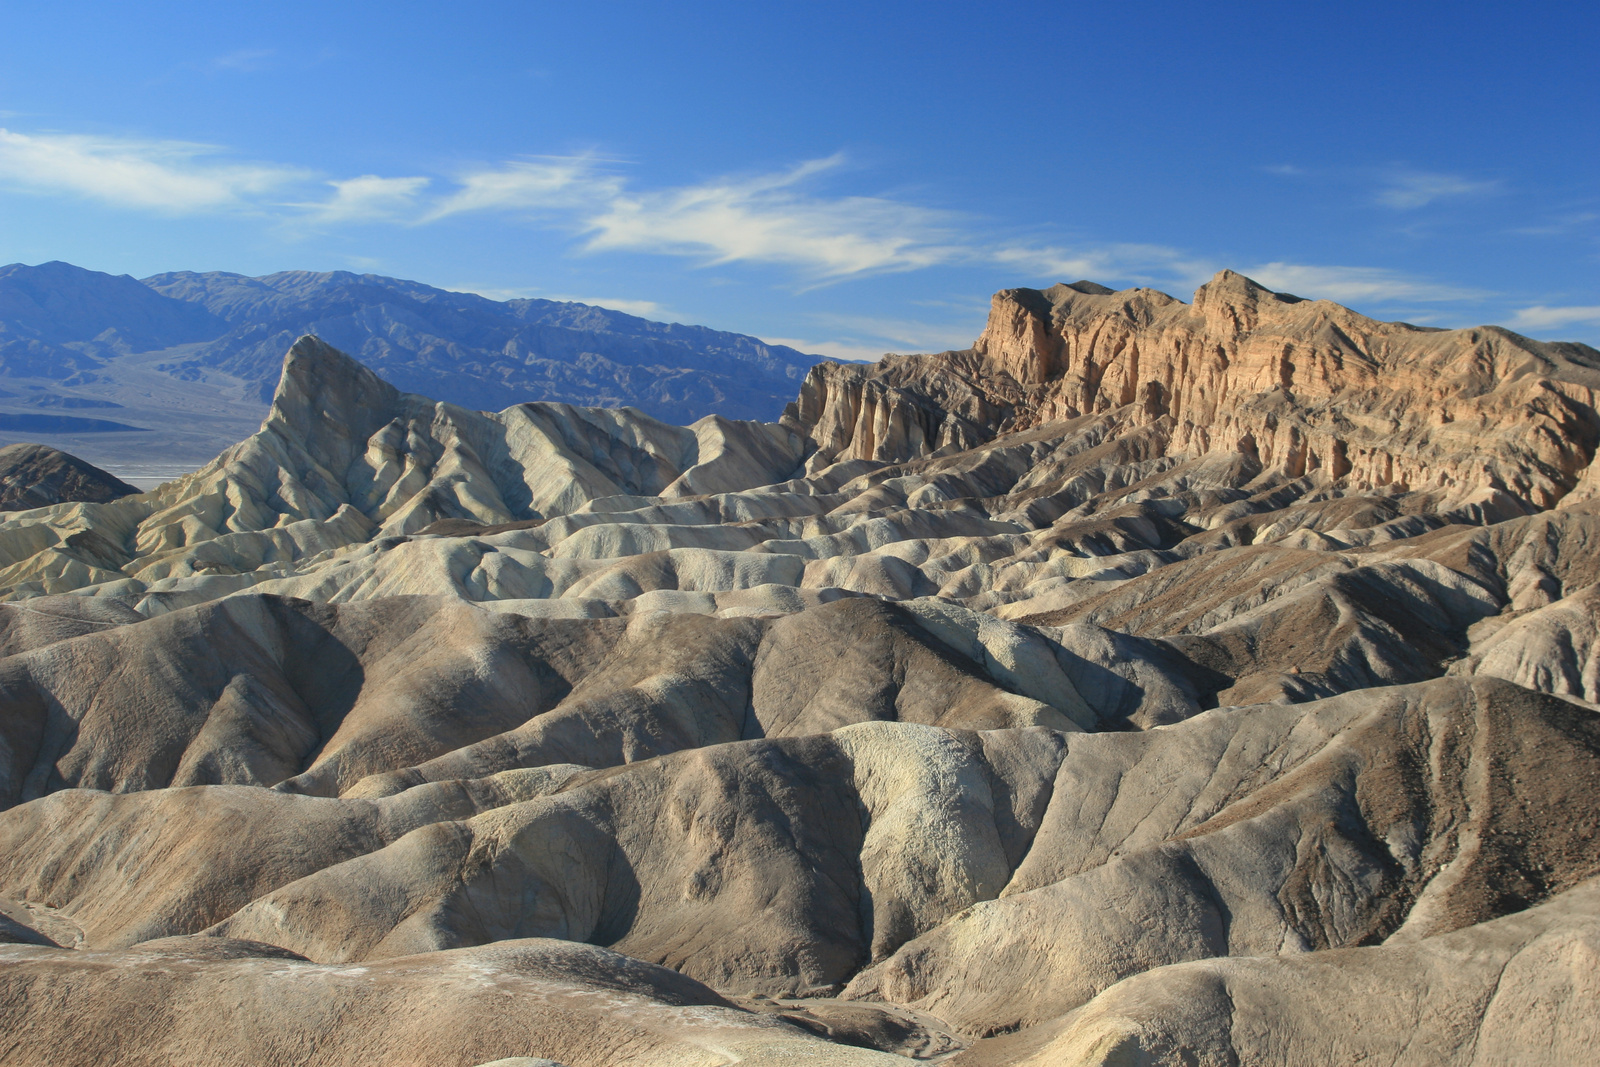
(1153, 682)
(1295, 385)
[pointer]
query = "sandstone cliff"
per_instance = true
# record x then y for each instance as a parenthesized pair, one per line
(1297, 386)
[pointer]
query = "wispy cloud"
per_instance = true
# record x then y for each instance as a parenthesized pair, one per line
(1370, 285)
(574, 182)
(763, 218)
(772, 219)
(1144, 263)
(843, 350)
(787, 218)
(902, 335)
(1562, 225)
(169, 176)
(368, 198)
(777, 218)
(1541, 317)
(245, 61)
(1408, 189)
(1287, 170)
(642, 308)
(491, 292)
(869, 337)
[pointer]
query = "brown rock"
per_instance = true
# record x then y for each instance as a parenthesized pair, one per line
(36, 476)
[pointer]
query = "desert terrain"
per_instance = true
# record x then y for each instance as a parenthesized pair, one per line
(1152, 682)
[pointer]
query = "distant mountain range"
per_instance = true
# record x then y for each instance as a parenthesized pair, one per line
(481, 353)
(188, 360)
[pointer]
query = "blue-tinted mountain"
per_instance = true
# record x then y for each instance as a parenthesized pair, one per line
(63, 327)
(59, 322)
(486, 354)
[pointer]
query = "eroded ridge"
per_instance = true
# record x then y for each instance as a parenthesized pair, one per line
(1152, 682)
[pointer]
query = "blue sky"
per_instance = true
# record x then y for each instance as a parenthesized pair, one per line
(851, 178)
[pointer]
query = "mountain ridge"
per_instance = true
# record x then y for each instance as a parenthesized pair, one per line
(1290, 384)
(975, 709)
(192, 359)
(270, 311)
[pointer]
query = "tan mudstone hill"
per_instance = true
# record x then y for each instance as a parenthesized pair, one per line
(1152, 683)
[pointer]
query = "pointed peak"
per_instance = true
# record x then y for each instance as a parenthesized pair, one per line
(314, 363)
(1231, 287)
(1232, 281)
(329, 401)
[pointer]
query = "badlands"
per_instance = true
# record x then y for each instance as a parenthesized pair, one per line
(1152, 683)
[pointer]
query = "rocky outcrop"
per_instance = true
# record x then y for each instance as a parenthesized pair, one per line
(36, 476)
(1296, 386)
(899, 409)
(344, 457)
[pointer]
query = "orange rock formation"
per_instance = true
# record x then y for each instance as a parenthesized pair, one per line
(1295, 385)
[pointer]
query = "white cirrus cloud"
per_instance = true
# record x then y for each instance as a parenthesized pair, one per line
(1143, 263)
(867, 338)
(846, 351)
(176, 177)
(491, 292)
(245, 60)
(570, 183)
(1542, 317)
(785, 218)
(772, 219)
(1373, 285)
(368, 198)
(903, 335)
(643, 308)
(778, 218)
(1562, 225)
(1409, 189)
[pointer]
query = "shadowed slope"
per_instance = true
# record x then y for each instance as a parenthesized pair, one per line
(899, 707)
(34, 476)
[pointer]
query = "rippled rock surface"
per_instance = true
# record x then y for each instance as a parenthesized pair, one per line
(1151, 683)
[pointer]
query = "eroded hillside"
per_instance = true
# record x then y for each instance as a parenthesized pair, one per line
(1152, 682)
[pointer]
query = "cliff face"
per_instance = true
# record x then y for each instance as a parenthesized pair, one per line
(901, 408)
(1297, 386)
